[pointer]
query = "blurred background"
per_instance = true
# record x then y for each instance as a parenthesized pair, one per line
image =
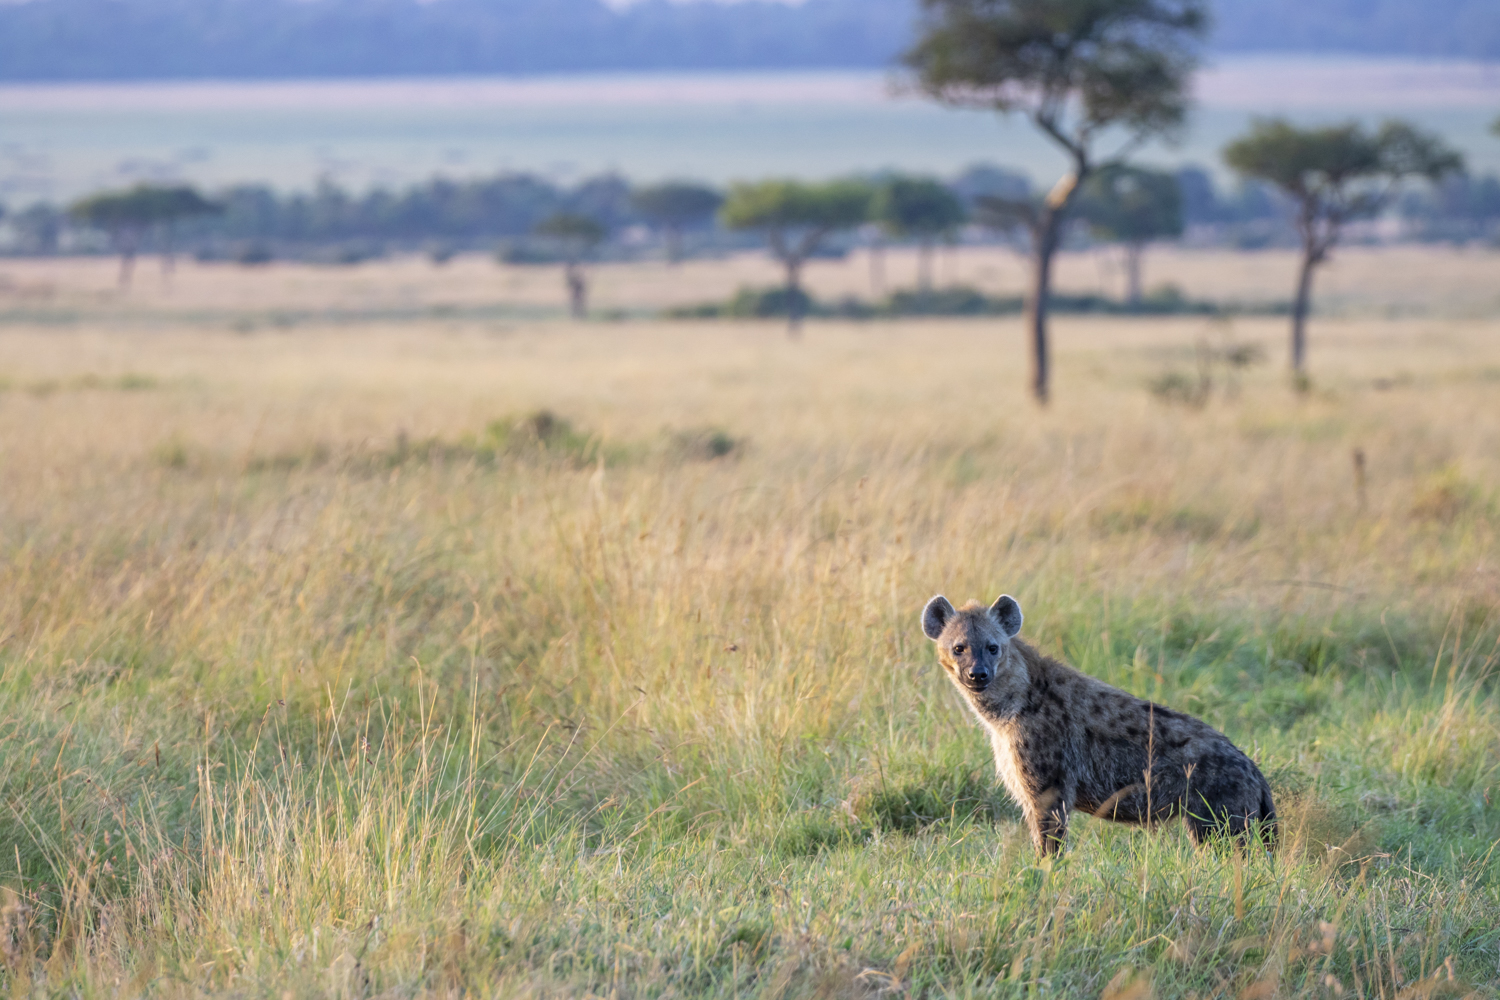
(349, 128)
(429, 568)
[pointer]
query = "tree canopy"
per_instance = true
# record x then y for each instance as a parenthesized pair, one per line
(1334, 175)
(918, 208)
(784, 205)
(1083, 71)
(141, 206)
(1075, 67)
(1132, 205)
(676, 203)
(796, 217)
(127, 214)
(1338, 173)
(579, 232)
(674, 206)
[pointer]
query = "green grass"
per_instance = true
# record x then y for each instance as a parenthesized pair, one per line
(581, 707)
(405, 826)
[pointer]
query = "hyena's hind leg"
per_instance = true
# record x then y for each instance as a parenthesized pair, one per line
(1145, 803)
(1237, 819)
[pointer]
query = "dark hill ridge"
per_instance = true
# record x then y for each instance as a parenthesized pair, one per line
(144, 39)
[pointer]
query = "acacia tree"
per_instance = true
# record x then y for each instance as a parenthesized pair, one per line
(796, 218)
(576, 235)
(921, 209)
(1333, 176)
(173, 204)
(673, 206)
(1133, 207)
(1083, 72)
(127, 216)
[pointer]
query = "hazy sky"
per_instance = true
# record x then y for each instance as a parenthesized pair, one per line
(627, 3)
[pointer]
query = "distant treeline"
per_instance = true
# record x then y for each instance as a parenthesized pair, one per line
(144, 39)
(501, 214)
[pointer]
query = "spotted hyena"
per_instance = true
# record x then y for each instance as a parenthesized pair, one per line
(1066, 741)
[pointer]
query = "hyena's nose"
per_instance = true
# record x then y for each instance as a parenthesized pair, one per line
(977, 676)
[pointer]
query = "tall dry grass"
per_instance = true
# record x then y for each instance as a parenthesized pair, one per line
(315, 682)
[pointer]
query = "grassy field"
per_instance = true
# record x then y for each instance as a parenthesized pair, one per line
(1384, 282)
(375, 632)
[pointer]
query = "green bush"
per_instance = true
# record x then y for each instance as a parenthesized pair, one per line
(960, 300)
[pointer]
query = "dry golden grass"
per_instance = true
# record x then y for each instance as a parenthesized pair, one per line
(1360, 280)
(312, 684)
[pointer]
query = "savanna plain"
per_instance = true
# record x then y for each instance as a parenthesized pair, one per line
(377, 631)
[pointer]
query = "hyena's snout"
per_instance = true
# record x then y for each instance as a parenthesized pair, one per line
(976, 676)
(974, 664)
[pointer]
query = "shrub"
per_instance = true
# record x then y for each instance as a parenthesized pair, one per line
(960, 300)
(1179, 387)
(540, 431)
(253, 254)
(704, 444)
(1444, 496)
(767, 302)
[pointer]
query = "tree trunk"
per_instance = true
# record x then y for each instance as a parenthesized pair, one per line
(924, 266)
(168, 257)
(1046, 238)
(1299, 313)
(794, 298)
(877, 269)
(127, 244)
(674, 244)
(578, 291)
(1133, 252)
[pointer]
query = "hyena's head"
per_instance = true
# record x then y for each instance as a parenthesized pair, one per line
(974, 642)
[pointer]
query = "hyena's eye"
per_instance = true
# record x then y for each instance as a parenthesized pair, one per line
(994, 648)
(958, 649)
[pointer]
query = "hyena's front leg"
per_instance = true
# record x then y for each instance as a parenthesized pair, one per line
(1048, 821)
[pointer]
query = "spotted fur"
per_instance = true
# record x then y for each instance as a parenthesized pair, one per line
(1064, 740)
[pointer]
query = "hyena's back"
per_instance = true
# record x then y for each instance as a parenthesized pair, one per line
(1195, 771)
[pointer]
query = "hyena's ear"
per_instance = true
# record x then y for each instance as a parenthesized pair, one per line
(935, 616)
(1008, 613)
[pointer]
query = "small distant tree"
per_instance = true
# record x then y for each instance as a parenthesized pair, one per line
(124, 215)
(127, 216)
(1333, 176)
(576, 235)
(174, 204)
(1081, 70)
(38, 229)
(796, 218)
(673, 206)
(1132, 207)
(920, 209)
